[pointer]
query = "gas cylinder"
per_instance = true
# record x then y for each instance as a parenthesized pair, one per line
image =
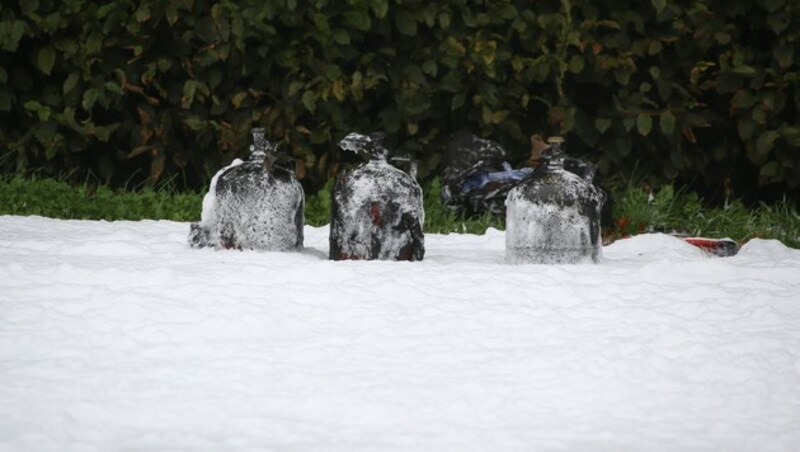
(376, 208)
(256, 204)
(553, 217)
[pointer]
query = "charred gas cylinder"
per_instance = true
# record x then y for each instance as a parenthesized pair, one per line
(256, 204)
(553, 217)
(376, 209)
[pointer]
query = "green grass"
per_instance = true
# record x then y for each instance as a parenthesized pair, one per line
(635, 210)
(670, 210)
(57, 199)
(441, 220)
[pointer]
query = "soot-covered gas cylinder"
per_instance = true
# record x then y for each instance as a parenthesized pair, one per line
(257, 204)
(553, 217)
(376, 209)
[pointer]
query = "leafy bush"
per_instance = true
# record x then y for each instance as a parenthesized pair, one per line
(135, 90)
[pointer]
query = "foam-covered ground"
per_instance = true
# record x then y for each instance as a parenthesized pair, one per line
(118, 336)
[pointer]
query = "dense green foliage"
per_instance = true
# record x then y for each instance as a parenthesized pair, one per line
(635, 210)
(134, 90)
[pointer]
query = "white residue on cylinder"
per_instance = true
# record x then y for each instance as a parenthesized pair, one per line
(209, 214)
(376, 183)
(547, 233)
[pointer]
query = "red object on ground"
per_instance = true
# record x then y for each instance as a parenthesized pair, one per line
(717, 247)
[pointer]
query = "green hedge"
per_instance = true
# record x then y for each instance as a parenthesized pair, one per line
(135, 90)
